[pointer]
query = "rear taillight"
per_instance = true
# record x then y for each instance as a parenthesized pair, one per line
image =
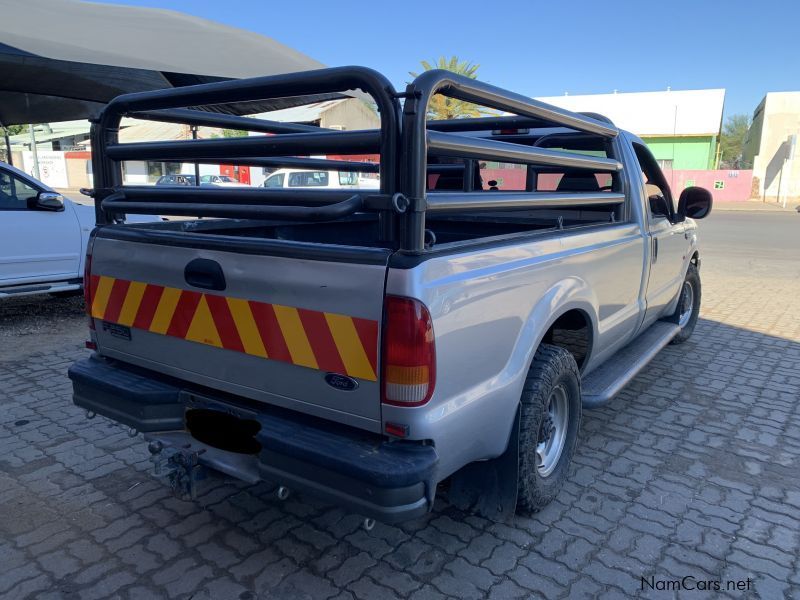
(409, 353)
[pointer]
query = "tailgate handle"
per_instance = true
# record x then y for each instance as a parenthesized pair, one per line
(204, 273)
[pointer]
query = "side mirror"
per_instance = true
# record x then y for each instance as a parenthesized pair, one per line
(49, 201)
(695, 202)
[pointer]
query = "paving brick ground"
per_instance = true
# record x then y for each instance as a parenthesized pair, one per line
(692, 471)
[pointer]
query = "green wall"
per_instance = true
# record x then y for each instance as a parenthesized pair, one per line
(695, 152)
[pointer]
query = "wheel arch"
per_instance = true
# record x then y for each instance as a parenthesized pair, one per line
(568, 299)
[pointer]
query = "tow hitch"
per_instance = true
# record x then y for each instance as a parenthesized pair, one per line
(183, 468)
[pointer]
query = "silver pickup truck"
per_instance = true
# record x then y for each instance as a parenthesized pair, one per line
(373, 346)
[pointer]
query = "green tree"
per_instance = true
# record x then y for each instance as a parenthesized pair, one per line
(8, 130)
(233, 133)
(731, 142)
(441, 107)
(13, 129)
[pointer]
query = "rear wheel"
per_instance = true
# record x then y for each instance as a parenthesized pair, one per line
(688, 309)
(549, 423)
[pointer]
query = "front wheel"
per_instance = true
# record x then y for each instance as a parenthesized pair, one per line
(549, 422)
(688, 309)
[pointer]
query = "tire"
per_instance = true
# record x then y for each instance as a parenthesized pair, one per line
(693, 281)
(553, 379)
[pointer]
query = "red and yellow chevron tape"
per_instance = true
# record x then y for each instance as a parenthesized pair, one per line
(309, 338)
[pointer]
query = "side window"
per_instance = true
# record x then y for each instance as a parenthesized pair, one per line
(274, 181)
(319, 178)
(574, 180)
(659, 196)
(14, 192)
(308, 179)
(348, 178)
(577, 180)
(503, 177)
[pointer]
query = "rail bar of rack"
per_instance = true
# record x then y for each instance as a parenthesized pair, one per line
(143, 195)
(448, 144)
(201, 118)
(453, 202)
(342, 142)
(322, 212)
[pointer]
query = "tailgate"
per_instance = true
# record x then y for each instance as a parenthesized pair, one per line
(269, 328)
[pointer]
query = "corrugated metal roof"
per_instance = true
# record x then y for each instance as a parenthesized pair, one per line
(301, 114)
(679, 112)
(57, 131)
(133, 130)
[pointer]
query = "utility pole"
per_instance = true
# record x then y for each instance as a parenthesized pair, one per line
(33, 152)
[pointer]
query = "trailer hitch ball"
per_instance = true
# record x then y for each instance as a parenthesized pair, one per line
(369, 524)
(133, 432)
(90, 414)
(283, 492)
(154, 448)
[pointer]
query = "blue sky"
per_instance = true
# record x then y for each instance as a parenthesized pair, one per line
(543, 48)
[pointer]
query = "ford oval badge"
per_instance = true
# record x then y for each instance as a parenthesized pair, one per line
(341, 382)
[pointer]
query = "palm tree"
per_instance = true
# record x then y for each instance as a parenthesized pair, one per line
(441, 107)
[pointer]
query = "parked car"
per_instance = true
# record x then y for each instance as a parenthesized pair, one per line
(299, 178)
(43, 236)
(220, 180)
(366, 347)
(176, 179)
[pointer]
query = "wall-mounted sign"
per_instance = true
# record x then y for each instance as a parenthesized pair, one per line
(52, 167)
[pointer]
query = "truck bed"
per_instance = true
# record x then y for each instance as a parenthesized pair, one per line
(362, 230)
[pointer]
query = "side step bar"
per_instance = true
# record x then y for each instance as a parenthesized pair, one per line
(605, 382)
(41, 288)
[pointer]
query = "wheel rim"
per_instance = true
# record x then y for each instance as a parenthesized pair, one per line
(553, 432)
(687, 304)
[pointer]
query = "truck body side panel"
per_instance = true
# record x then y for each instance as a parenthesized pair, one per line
(490, 310)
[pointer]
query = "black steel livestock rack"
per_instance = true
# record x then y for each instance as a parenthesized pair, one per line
(405, 141)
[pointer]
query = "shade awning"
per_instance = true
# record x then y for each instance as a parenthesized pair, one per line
(48, 74)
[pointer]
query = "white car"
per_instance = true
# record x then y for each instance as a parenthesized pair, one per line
(296, 178)
(43, 236)
(220, 180)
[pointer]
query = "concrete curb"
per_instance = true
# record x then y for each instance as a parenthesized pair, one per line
(752, 207)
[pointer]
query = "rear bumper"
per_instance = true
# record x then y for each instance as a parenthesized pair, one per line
(388, 481)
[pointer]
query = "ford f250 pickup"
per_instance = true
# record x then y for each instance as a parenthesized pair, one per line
(368, 345)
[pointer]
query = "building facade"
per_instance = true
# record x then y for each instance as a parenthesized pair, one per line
(771, 146)
(681, 128)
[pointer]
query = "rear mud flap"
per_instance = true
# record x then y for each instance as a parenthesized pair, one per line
(489, 488)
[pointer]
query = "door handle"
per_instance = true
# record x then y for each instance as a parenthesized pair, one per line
(204, 273)
(655, 249)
